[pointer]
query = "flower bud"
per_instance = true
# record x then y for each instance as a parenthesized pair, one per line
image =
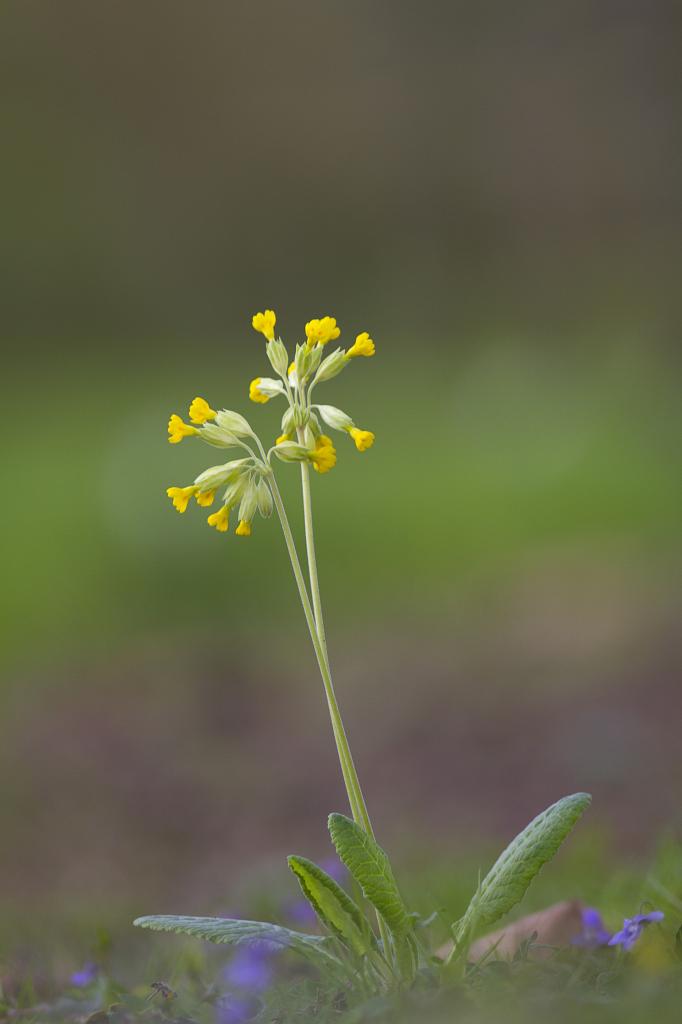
(264, 499)
(302, 362)
(315, 357)
(234, 423)
(216, 476)
(335, 418)
(217, 436)
(331, 366)
(249, 502)
(289, 451)
(278, 356)
(309, 437)
(234, 491)
(288, 425)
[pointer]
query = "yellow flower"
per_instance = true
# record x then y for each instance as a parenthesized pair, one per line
(205, 498)
(364, 346)
(324, 456)
(254, 394)
(319, 332)
(200, 411)
(264, 323)
(282, 438)
(177, 429)
(244, 529)
(220, 519)
(364, 439)
(180, 496)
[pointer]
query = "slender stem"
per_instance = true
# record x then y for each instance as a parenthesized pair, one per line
(362, 817)
(350, 775)
(347, 767)
(310, 551)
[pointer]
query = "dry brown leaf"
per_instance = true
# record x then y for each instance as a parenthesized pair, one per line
(555, 926)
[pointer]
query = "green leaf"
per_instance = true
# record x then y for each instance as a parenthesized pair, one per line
(333, 905)
(237, 933)
(515, 868)
(370, 866)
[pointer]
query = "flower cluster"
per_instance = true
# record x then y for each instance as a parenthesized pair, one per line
(595, 934)
(302, 437)
(248, 480)
(244, 479)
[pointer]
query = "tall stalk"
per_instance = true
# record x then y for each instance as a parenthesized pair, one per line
(314, 620)
(347, 767)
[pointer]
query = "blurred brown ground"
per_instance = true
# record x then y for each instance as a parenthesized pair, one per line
(160, 778)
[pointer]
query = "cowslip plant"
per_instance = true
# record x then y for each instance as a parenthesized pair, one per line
(392, 952)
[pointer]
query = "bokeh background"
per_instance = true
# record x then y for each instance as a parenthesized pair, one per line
(493, 191)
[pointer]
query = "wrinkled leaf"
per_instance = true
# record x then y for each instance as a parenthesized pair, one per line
(508, 879)
(333, 905)
(370, 867)
(237, 933)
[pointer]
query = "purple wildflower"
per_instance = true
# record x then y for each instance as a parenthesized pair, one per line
(335, 869)
(594, 934)
(301, 912)
(251, 969)
(86, 975)
(633, 928)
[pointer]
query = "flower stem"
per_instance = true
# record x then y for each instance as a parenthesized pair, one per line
(337, 724)
(310, 551)
(361, 816)
(350, 775)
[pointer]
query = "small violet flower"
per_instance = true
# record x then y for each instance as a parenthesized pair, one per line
(633, 928)
(335, 869)
(300, 912)
(594, 933)
(86, 975)
(251, 968)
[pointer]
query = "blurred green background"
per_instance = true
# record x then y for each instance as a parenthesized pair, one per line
(492, 191)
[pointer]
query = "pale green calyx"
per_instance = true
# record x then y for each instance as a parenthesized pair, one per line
(269, 387)
(216, 476)
(289, 451)
(310, 434)
(306, 361)
(335, 418)
(264, 498)
(218, 436)
(249, 502)
(233, 423)
(234, 491)
(331, 366)
(278, 356)
(288, 424)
